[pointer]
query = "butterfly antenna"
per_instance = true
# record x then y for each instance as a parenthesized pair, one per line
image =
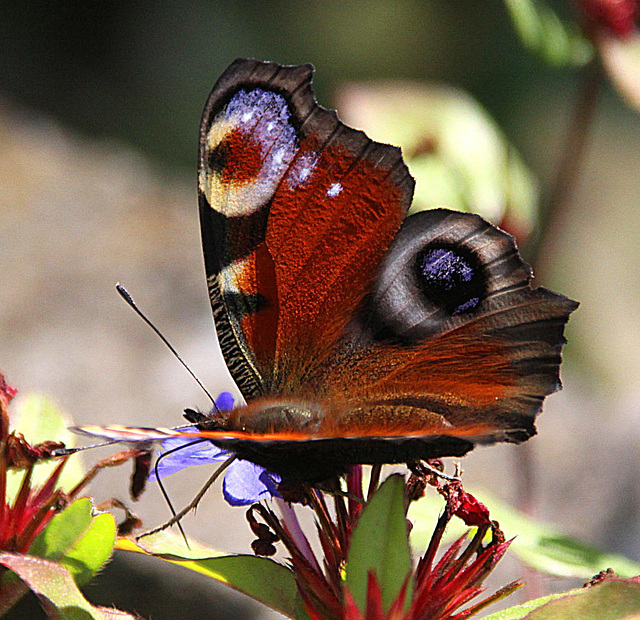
(127, 297)
(69, 451)
(194, 502)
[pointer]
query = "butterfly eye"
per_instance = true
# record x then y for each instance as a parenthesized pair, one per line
(450, 278)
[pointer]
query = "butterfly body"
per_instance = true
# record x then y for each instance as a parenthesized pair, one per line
(355, 333)
(301, 442)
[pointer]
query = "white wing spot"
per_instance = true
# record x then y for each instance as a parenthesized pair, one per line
(265, 117)
(278, 157)
(302, 170)
(334, 190)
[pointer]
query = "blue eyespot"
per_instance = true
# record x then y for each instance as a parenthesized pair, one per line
(451, 278)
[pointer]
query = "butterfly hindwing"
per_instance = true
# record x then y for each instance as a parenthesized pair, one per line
(452, 327)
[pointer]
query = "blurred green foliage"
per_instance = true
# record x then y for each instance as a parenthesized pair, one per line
(140, 71)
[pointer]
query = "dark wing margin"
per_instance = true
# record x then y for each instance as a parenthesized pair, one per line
(452, 327)
(240, 74)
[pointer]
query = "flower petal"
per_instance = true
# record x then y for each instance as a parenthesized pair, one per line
(246, 483)
(225, 401)
(193, 452)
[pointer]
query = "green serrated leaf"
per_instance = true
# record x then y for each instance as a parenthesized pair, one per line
(260, 578)
(380, 544)
(539, 545)
(56, 589)
(543, 33)
(63, 531)
(78, 540)
(610, 600)
(89, 554)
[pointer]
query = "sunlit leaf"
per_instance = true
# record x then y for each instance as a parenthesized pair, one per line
(38, 419)
(543, 33)
(610, 600)
(56, 589)
(520, 611)
(77, 539)
(457, 154)
(540, 545)
(380, 544)
(260, 578)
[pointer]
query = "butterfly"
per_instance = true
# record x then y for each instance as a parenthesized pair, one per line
(356, 334)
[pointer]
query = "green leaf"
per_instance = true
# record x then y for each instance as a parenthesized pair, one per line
(455, 151)
(56, 589)
(380, 544)
(520, 611)
(543, 33)
(38, 419)
(539, 545)
(260, 578)
(77, 539)
(610, 600)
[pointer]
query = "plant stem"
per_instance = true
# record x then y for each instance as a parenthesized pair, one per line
(562, 189)
(553, 211)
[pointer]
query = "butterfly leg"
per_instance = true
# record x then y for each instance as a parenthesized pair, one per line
(194, 502)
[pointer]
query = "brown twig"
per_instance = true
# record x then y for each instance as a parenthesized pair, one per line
(553, 210)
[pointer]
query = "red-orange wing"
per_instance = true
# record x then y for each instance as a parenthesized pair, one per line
(297, 211)
(323, 295)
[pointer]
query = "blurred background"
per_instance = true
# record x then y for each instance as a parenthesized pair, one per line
(100, 106)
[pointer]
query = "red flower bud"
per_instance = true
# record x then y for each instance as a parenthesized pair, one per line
(613, 17)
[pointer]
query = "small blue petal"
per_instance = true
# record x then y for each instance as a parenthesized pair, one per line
(225, 400)
(188, 452)
(246, 483)
(193, 452)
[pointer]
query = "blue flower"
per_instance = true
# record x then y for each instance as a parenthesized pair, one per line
(244, 483)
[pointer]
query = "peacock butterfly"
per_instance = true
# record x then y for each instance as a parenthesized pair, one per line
(356, 334)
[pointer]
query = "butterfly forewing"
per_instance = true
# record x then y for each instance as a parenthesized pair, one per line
(297, 211)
